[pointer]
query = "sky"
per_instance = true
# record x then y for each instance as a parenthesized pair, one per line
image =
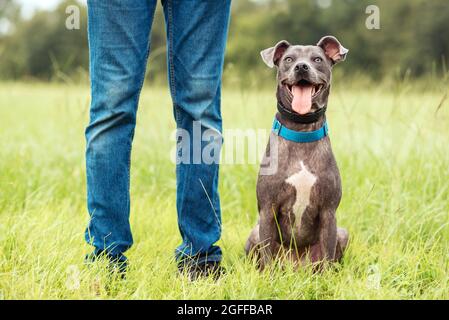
(29, 6)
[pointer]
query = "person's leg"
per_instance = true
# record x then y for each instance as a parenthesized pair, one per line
(118, 44)
(196, 36)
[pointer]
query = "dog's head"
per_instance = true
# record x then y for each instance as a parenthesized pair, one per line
(304, 72)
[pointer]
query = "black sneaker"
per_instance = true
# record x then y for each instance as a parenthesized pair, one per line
(203, 270)
(117, 264)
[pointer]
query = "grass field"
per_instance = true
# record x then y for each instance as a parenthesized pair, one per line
(391, 144)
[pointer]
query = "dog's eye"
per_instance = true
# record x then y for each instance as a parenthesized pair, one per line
(288, 60)
(317, 59)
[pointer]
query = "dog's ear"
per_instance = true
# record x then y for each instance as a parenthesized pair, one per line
(272, 55)
(333, 49)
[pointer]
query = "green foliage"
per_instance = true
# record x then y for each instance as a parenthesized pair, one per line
(44, 48)
(8, 9)
(412, 39)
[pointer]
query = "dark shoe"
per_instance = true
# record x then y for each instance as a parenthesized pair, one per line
(117, 264)
(203, 270)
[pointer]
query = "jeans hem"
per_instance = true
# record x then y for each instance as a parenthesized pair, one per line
(198, 260)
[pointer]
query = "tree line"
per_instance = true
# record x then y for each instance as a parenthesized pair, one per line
(412, 38)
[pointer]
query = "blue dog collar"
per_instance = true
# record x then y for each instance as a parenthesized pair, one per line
(299, 136)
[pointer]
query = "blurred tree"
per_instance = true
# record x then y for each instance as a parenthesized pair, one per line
(42, 47)
(9, 12)
(8, 8)
(412, 38)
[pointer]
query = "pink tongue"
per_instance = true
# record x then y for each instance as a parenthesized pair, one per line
(302, 99)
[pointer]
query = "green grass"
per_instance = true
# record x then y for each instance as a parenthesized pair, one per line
(391, 147)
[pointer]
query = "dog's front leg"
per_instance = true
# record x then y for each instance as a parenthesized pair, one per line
(269, 238)
(328, 237)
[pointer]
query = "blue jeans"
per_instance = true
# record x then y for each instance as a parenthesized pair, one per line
(119, 43)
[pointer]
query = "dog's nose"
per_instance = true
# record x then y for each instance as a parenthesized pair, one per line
(301, 67)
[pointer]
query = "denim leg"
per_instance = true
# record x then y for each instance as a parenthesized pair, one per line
(118, 45)
(196, 37)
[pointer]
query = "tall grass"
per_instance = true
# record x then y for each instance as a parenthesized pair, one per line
(391, 144)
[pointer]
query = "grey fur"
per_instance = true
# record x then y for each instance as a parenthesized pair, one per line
(315, 237)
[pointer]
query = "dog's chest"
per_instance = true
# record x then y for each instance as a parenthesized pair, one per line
(302, 181)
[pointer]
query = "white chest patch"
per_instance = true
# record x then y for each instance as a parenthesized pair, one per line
(303, 182)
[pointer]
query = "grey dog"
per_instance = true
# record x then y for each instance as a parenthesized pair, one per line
(297, 204)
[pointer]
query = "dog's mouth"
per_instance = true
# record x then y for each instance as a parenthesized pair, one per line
(303, 93)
